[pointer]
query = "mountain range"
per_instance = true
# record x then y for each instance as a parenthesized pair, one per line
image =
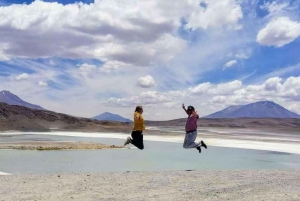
(12, 99)
(15, 117)
(111, 117)
(261, 109)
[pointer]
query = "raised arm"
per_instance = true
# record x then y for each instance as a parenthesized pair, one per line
(183, 107)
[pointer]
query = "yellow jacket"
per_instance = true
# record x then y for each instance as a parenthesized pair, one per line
(138, 122)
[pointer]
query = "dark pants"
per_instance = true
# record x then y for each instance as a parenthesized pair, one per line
(137, 139)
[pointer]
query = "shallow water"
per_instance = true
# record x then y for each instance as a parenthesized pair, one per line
(157, 156)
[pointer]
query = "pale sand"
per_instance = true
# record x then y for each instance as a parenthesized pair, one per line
(245, 142)
(4, 173)
(137, 186)
(56, 145)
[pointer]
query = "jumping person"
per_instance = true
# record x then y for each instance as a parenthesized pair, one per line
(139, 126)
(191, 130)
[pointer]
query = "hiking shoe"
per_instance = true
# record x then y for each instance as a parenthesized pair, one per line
(199, 149)
(127, 141)
(203, 144)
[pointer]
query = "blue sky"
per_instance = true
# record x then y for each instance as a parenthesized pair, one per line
(96, 56)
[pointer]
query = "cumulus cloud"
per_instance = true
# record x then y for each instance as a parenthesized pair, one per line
(230, 63)
(146, 82)
(23, 76)
(226, 88)
(87, 68)
(279, 32)
(200, 89)
(228, 13)
(294, 108)
(108, 31)
(273, 84)
(171, 98)
(241, 56)
(134, 33)
(42, 84)
(111, 66)
(218, 96)
(148, 98)
(219, 99)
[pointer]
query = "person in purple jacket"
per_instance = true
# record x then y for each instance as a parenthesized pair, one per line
(191, 130)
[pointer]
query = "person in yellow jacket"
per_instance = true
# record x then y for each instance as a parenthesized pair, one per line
(138, 128)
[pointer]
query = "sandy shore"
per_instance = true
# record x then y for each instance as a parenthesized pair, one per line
(42, 146)
(179, 185)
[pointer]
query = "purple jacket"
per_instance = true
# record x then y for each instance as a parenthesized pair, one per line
(191, 123)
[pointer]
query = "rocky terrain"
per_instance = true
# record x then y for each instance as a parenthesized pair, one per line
(14, 117)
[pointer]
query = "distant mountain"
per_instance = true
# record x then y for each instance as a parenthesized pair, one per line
(12, 99)
(106, 116)
(15, 117)
(224, 113)
(261, 109)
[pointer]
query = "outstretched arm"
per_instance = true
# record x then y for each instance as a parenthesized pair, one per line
(183, 107)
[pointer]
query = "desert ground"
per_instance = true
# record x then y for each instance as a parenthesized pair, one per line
(136, 186)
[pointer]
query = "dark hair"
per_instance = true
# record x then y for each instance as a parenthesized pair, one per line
(190, 108)
(138, 108)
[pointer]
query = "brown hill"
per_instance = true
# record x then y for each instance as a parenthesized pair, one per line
(13, 117)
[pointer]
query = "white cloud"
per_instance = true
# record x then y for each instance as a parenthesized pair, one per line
(212, 97)
(216, 13)
(279, 32)
(135, 33)
(87, 68)
(109, 30)
(273, 84)
(292, 83)
(125, 35)
(146, 82)
(219, 99)
(111, 66)
(230, 63)
(149, 98)
(200, 89)
(42, 84)
(23, 76)
(241, 56)
(226, 88)
(274, 7)
(294, 108)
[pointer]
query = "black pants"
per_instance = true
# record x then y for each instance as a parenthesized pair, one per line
(137, 139)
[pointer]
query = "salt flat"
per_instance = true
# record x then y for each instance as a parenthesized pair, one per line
(244, 141)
